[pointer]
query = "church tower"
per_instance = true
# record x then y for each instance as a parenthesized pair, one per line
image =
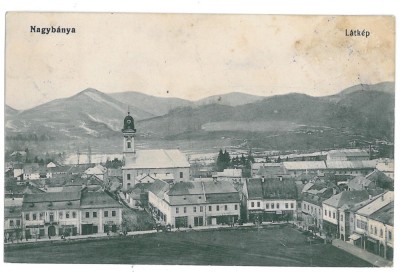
(129, 138)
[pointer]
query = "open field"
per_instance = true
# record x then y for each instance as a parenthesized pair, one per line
(259, 247)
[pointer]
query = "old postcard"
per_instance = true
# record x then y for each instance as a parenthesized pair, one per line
(194, 139)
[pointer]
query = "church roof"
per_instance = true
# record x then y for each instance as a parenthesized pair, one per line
(159, 158)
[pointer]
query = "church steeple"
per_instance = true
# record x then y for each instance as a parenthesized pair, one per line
(129, 132)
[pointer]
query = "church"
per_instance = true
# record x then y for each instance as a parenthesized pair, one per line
(151, 162)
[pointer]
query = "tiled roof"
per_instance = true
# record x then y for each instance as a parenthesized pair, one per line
(98, 200)
(159, 187)
(359, 183)
(349, 198)
(160, 158)
(271, 188)
(12, 212)
(52, 197)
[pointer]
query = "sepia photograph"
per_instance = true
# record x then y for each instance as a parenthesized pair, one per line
(199, 139)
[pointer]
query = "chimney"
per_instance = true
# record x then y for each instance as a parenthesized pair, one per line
(72, 180)
(262, 179)
(369, 196)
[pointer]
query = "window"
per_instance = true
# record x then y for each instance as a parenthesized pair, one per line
(258, 204)
(209, 208)
(128, 144)
(389, 234)
(27, 216)
(217, 207)
(73, 214)
(226, 207)
(358, 223)
(312, 208)
(277, 205)
(184, 209)
(41, 215)
(11, 223)
(181, 174)
(325, 212)
(94, 214)
(291, 205)
(128, 177)
(330, 214)
(308, 207)
(177, 210)
(341, 228)
(60, 215)
(286, 205)
(87, 215)
(194, 209)
(113, 213)
(105, 213)
(305, 206)
(236, 207)
(375, 231)
(66, 214)
(341, 217)
(34, 216)
(129, 184)
(267, 206)
(334, 214)
(19, 223)
(381, 233)
(272, 205)
(252, 204)
(201, 208)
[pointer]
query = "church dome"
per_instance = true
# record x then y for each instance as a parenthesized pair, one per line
(129, 123)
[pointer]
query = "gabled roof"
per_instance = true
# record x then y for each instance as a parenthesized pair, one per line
(160, 158)
(359, 183)
(349, 198)
(159, 187)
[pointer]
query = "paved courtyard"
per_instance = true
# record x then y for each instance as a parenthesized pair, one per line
(272, 246)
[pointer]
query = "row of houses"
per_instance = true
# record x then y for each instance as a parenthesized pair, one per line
(61, 213)
(36, 171)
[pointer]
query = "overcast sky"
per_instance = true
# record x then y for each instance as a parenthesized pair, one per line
(193, 56)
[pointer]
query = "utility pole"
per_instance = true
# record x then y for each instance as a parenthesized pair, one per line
(78, 154)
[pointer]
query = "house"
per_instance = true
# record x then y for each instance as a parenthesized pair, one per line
(69, 213)
(51, 165)
(387, 167)
(332, 205)
(51, 214)
(138, 196)
(31, 171)
(270, 199)
(269, 170)
(360, 183)
(155, 162)
(12, 218)
(98, 171)
(371, 235)
(192, 204)
(99, 213)
(312, 196)
(381, 230)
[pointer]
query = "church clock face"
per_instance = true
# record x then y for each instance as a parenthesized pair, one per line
(128, 122)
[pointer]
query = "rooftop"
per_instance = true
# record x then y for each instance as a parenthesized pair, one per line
(98, 200)
(384, 214)
(160, 158)
(348, 197)
(304, 165)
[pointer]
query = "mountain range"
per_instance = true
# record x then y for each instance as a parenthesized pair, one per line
(362, 109)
